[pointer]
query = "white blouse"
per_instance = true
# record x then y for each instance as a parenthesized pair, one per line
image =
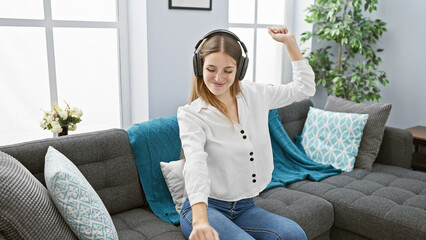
(228, 162)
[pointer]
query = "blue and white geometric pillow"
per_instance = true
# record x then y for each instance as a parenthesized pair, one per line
(332, 137)
(76, 200)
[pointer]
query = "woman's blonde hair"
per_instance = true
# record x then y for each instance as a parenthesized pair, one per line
(217, 43)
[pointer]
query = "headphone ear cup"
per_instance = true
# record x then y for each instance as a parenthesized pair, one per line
(195, 64)
(239, 68)
(244, 67)
(199, 63)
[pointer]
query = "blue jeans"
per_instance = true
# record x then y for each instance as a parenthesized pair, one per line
(243, 220)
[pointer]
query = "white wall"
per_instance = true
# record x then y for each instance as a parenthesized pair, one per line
(403, 59)
(172, 35)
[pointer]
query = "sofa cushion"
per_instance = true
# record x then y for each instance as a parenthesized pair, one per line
(76, 200)
(332, 137)
(387, 203)
(315, 215)
(373, 131)
(34, 218)
(396, 148)
(142, 224)
(338, 233)
(103, 157)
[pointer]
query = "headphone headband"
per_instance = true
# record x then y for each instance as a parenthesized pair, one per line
(242, 62)
(231, 34)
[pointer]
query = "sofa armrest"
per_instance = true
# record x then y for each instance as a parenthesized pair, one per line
(396, 148)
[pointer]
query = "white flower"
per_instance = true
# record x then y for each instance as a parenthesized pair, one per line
(49, 118)
(73, 110)
(79, 113)
(72, 127)
(56, 129)
(63, 114)
(55, 118)
(43, 124)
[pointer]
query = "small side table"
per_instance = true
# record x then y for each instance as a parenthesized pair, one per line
(418, 161)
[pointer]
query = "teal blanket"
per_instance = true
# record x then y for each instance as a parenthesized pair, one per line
(153, 142)
(158, 141)
(290, 161)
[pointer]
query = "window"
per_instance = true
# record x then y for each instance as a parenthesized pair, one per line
(53, 51)
(249, 19)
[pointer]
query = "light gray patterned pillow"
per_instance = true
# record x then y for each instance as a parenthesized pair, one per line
(172, 172)
(372, 137)
(26, 210)
(76, 200)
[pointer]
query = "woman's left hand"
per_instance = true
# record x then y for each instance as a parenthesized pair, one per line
(282, 34)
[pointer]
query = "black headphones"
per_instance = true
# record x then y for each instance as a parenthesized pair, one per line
(197, 59)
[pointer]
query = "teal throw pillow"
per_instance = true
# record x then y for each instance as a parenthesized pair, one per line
(76, 200)
(332, 137)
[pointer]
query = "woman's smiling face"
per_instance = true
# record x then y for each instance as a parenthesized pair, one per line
(219, 71)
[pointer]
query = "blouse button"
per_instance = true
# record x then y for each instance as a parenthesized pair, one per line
(254, 180)
(251, 153)
(252, 159)
(242, 132)
(244, 137)
(254, 175)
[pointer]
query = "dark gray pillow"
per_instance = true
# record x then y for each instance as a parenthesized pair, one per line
(373, 131)
(26, 210)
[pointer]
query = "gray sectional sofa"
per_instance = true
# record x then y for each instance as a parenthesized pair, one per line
(388, 202)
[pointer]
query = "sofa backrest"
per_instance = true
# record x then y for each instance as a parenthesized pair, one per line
(395, 150)
(293, 117)
(105, 158)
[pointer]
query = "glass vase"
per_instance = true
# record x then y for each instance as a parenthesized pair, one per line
(64, 131)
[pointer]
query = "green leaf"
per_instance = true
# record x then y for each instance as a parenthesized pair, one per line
(336, 79)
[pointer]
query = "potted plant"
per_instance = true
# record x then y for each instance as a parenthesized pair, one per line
(343, 25)
(59, 120)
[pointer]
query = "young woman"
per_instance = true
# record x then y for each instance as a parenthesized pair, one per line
(225, 138)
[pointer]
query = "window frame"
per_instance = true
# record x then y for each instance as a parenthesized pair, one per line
(121, 25)
(256, 26)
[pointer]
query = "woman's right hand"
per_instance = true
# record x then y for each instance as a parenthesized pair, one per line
(203, 231)
(282, 34)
